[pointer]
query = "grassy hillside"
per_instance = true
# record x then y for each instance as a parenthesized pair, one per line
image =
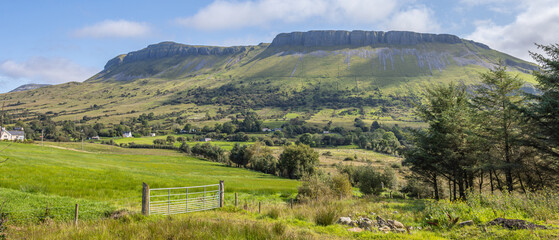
(103, 177)
(274, 81)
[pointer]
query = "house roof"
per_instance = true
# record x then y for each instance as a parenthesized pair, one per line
(16, 132)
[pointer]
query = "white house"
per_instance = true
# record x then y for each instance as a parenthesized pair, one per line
(127, 134)
(207, 139)
(12, 135)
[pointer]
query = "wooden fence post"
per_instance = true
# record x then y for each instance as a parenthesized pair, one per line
(235, 199)
(259, 206)
(291, 203)
(221, 193)
(145, 199)
(76, 215)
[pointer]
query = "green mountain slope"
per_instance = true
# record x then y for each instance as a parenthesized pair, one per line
(298, 72)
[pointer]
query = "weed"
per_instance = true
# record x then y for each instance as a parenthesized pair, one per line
(325, 215)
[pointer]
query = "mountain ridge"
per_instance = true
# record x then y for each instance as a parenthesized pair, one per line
(29, 86)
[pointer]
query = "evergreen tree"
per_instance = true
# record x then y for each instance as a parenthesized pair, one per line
(497, 100)
(442, 150)
(545, 108)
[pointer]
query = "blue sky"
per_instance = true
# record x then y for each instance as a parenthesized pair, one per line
(60, 41)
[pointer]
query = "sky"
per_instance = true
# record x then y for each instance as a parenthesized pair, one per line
(54, 42)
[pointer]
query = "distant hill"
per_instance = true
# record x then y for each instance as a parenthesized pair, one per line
(31, 86)
(377, 73)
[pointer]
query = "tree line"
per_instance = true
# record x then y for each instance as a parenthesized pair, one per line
(491, 132)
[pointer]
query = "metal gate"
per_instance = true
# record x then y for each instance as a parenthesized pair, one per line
(167, 201)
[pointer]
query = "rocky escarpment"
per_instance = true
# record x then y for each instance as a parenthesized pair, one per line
(172, 49)
(359, 38)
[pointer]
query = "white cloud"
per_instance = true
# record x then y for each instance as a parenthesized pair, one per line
(538, 23)
(419, 19)
(223, 14)
(45, 70)
(112, 28)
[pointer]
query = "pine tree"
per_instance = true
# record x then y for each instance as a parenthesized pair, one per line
(545, 108)
(497, 100)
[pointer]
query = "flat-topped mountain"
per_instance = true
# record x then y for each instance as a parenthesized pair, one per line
(305, 70)
(359, 38)
(323, 54)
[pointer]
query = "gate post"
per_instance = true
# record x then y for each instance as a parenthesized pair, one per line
(145, 199)
(221, 192)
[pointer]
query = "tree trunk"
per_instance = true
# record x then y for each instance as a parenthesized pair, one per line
(521, 184)
(454, 189)
(449, 189)
(491, 180)
(436, 187)
(481, 182)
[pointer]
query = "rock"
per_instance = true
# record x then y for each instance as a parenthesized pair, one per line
(355, 229)
(515, 224)
(385, 229)
(359, 38)
(171, 49)
(118, 214)
(399, 230)
(395, 212)
(381, 222)
(345, 221)
(365, 223)
(466, 223)
(398, 224)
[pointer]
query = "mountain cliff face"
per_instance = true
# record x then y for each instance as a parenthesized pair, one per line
(395, 55)
(171, 49)
(359, 38)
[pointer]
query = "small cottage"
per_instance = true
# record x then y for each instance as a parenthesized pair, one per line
(12, 135)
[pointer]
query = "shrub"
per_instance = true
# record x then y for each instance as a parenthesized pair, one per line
(274, 213)
(340, 185)
(325, 216)
(298, 160)
(313, 186)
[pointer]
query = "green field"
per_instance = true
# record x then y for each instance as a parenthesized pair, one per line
(149, 140)
(108, 177)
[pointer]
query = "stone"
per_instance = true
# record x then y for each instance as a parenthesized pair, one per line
(514, 224)
(466, 223)
(365, 223)
(385, 229)
(381, 222)
(345, 221)
(397, 224)
(355, 229)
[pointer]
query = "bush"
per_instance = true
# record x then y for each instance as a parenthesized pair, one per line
(325, 216)
(298, 160)
(185, 148)
(340, 185)
(324, 187)
(211, 152)
(370, 181)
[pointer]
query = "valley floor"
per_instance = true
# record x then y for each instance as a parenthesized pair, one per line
(39, 187)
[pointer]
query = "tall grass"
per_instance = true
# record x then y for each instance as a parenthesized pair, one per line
(481, 208)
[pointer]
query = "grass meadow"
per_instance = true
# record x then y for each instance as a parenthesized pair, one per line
(109, 177)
